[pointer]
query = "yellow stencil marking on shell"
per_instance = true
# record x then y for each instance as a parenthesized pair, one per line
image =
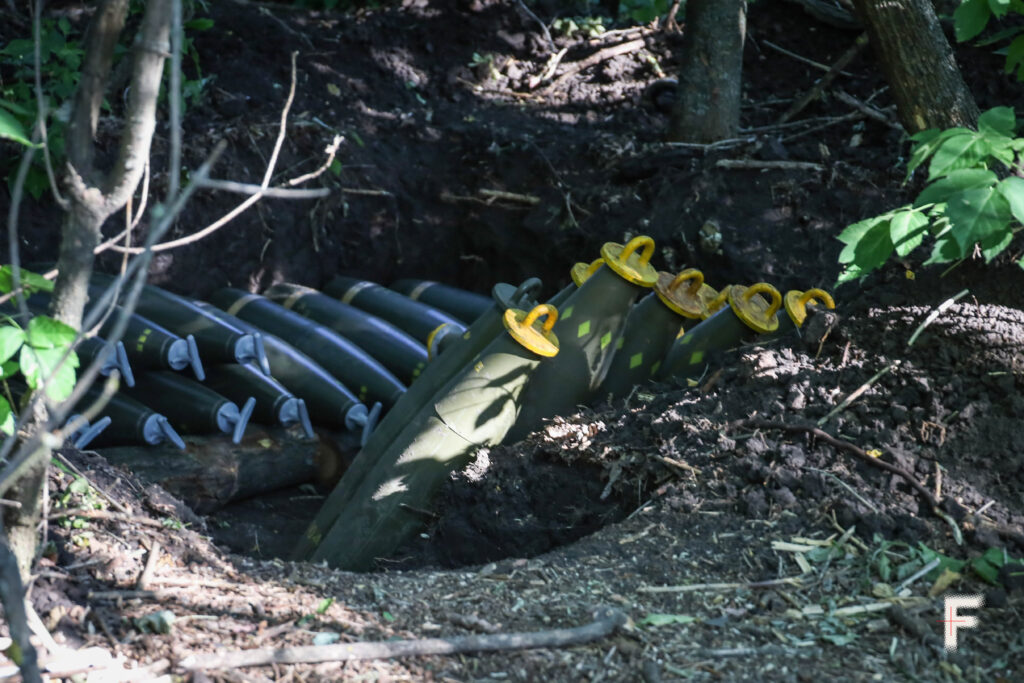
(635, 360)
(295, 296)
(567, 313)
(353, 290)
(654, 368)
(583, 329)
(696, 357)
(619, 343)
(419, 289)
(418, 370)
(606, 339)
(467, 335)
(241, 302)
(362, 393)
(142, 339)
(478, 367)
(313, 534)
(687, 338)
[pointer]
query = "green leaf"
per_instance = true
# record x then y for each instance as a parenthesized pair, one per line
(994, 245)
(1012, 189)
(957, 181)
(324, 605)
(925, 144)
(957, 151)
(666, 619)
(970, 18)
(11, 339)
(79, 485)
(873, 245)
(38, 366)
(907, 230)
(6, 417)
(30, 281)
(977, 214)
(9, 369)
(202, 24)
(853, 272)
(999, 7)
(986, 571)
(11, 129)
(945, 250)
(998, 120)
(1014, 55)
(46, 333)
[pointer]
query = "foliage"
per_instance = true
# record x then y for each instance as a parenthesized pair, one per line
(966, 207)
(40, 351)
(591, 26)
(643, 11)
(973, 16)
(60, 58)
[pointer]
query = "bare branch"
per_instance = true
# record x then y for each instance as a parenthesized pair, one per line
(41, 103)
(271, 192)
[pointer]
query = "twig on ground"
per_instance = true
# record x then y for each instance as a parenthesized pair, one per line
(934, 315)
(866, 109)
(917, 575)
(549, 69)
(852, 491)
(607, 621)
(670, 20)
(594, 59)
(332, 151)
(805, 60)
(859, 391)
(757, 165)
(774, 583)
(826, 80)
(105, 514)
(510, 196)
(146, 576)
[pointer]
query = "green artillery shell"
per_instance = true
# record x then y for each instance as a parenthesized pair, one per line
(151, 346)
(396, 350)
(191, 407)
(652, 326)
(465, 305)
(218, 342)
(429, 325)
(115, 357)
(746, 316)
(329, 401)
(274, 403)
(131, 422)
(476, 409)
(336, 354)
(591, 322)
(796, 302)
(437, 375)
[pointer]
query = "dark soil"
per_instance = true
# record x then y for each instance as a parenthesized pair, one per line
(673, 486)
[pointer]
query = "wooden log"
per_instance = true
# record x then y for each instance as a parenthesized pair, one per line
(212, 471)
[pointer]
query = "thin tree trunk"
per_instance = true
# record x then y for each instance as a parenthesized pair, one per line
(918, 64)
(707, 104)
(93, 198)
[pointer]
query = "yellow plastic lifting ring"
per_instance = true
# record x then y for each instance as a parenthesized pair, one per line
(523, 328)
(796, 303)
(691, 302)
(752, 311)
(718, 303)
(632, 268)
(693, 274)
(581, 272)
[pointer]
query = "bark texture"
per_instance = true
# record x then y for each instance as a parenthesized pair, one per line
(918, 63)
(707, 104)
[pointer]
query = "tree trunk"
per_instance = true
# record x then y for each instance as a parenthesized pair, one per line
(93, 197)
(918, 64)
(707, 104)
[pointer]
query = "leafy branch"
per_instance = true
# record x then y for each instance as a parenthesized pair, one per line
(967, 208)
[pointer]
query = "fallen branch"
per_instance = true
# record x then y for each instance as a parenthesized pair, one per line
(774, 583)
(607, 621)
(805, 60)
(274, 192)
(594, 59)
(510, 196)
(826, 80)
(756, 165)
(866, 109)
